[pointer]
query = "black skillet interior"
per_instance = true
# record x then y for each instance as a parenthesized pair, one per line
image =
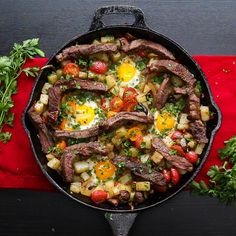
(140, 30)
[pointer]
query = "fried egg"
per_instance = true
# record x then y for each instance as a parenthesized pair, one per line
(128, 74)
(164, 121)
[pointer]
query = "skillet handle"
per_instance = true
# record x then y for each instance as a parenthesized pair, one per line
(120, 222)
(119, 9)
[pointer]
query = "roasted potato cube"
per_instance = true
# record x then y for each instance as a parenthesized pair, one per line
(75, 187)
(54, 164)
(142, 186)
(205, 113)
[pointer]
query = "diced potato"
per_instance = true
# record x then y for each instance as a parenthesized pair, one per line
(119, 187)
(183, 122)
(91, 164)
(142, 186)
(109, 185)
(116, 140)
(109, 147)
(50, 156)
(188, 135)
(116, 56)
(144, 158)
(101, 56)
(191, 144)
(85, 176)
(52, 78)
(107, 39)
(75, 187)
(146, 89)
(125, 178)
(168, 141)
(200, 148)
(95, 41)
(83, 75)
(148, 141)
(59, 73)
(88, 186)
(39, 107)
(141, 98)
(156, 157)
(81, 166)
(46, 87)
(44, 99)
(150, 55)
(54, 164)
(101, 78)
(121, 132)
(205, 113)
(110, 81)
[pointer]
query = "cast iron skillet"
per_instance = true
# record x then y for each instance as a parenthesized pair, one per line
(122, 218)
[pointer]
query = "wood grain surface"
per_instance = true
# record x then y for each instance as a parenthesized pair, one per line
(201, 27)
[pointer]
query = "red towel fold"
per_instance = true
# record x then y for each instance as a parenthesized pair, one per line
(18, 168)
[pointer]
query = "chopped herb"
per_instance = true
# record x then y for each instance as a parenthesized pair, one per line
(143, 145)
(127, 143)
(158, 79)
(173, 152)
(198, 89)
(54, 150)
(78, 86)
(141, 65)
(174, 108)
(82, 62)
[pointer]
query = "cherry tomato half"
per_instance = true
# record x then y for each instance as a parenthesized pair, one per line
(99, 196)
(179, 149)
(192, 157)
(175, 176)
(167, 175)
(134, 132)
(61, 145)
(138, 141)
(129, 93)
(99, 67)
(104, 170)
(130, 104)
(71, 69)
(116, 104)
(176, 135)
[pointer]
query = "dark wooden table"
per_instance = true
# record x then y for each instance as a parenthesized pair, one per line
(202, 27)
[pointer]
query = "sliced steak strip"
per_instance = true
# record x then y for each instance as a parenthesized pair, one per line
(183, 73)
(124, 44)
(55, 93)
(143, 44)
(74, 52)
(163, 93)
(87, 133)
(198, 131)
(84, 150)
(141, 170)
(44, 134)
(125, 117)
(177, 161)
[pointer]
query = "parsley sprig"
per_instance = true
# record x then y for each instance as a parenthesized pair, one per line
(222, 179)
(10, 69)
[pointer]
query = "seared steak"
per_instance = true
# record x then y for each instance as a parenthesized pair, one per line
(125, 117)
(198, 131)
(74, 52)
(55, 93)
(163, 93)
(143, 44)
(44, 134)
(83, 150)
(177, 161)
(139, 169)
(87, 133)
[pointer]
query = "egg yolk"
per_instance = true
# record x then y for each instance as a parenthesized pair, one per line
(126, 71)
(84, 114)
(165, 121)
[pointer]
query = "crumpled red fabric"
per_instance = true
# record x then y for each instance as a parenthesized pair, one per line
(18, 168)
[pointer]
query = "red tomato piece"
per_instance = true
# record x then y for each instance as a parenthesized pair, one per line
(99, 196)
(192, 157)
(179, 149)
(138, 141)
(167, 175)
(142, 53)
(116, 104)
(71, 69)
(99, 67)
(129, 105)
(176, 135)
(129, 93)
(175, 176)
(104, 104)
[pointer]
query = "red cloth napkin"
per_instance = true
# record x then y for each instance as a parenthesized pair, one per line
(18, 168)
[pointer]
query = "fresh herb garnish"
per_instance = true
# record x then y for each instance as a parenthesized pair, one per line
(174, 108)
(10, 69)
(222, 179)
(141, 65)
(158, 79)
